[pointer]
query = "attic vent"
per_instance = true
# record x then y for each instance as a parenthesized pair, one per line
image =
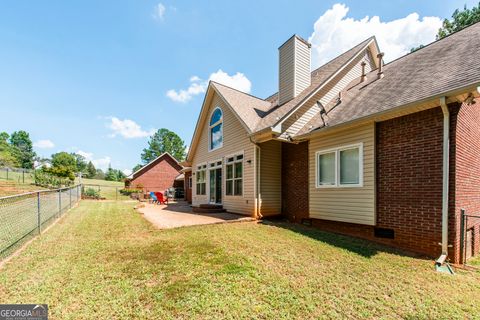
(294, 68)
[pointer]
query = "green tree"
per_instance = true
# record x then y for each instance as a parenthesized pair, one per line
(7, 152)
(111, 174)
(460, 19)
(23, 148)
(64, 165)
(91, 171)
(100, 175)
(162, 141)
(137, 167)
(80, 162)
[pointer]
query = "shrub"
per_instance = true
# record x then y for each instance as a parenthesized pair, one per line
(128, 192)
(91, 193)
(45, 179)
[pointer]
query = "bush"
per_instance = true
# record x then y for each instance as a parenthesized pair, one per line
(43, 178)
(128, 192)
(91, 193)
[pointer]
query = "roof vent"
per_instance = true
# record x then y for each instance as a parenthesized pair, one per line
(294, 68)
(380, 65)
(363, 78)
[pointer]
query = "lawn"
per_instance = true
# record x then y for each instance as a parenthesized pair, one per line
(107, 189)
(103, 260)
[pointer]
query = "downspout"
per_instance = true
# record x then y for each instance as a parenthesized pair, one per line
(257, 214)
(446, 154)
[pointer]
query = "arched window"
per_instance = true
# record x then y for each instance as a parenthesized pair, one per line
(216, 129)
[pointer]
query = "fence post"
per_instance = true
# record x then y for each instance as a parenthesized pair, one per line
(116, 193)
(38, 213)
(7, 173)
(23, 176)
(59, 202)
(70, 194)
(462, 235)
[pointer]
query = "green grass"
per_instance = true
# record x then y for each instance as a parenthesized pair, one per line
(107, 189)
(103, 260)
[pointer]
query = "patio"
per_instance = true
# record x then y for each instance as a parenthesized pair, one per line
(179, 214)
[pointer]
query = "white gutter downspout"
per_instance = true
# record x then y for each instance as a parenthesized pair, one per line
(257, 191)
(446, 155)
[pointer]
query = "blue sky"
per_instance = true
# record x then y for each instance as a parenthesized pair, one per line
(99, 76)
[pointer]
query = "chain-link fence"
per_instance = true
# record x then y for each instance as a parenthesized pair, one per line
(26, 215)
(17, 175)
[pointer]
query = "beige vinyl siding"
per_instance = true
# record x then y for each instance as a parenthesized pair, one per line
(302, 66)
(286, 78)
(270, 178)
(235, 140)
(346, 204)
(305, 113)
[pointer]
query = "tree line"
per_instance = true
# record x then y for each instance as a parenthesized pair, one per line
(16, 151)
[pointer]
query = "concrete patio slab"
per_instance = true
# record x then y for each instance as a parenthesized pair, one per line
(179, 214)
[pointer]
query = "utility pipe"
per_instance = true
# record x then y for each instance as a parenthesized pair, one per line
(446, 155)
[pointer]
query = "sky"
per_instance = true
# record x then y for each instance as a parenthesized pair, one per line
(99, 77)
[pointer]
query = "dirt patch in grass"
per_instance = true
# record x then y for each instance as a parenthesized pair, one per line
(105, 261)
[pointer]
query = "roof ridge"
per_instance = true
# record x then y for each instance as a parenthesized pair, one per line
(248, 94)
(336, 57)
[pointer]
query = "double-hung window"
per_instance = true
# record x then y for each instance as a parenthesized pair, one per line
(201, 182)
(340, 167)
(234, 176)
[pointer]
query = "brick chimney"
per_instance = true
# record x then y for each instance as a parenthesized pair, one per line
(294, 68)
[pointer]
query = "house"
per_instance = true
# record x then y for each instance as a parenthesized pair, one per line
(158, 175)
(387, 152)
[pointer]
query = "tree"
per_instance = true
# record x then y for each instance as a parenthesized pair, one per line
(162, 141)
(100, 175)
(81, 163)
(137, 167)
(63, 165)
(111, 174)
(23, 148)
(91, 171)
(460, 20)
(7, 152)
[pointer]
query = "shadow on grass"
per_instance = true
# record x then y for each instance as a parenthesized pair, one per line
(362, 247)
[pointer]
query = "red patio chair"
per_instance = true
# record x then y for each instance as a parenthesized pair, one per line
(161, 198)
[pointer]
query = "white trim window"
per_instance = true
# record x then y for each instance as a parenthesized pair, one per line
(234, 175)
(339, 167)
(215, 130)
(201, 181)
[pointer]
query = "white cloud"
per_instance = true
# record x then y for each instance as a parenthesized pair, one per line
(197, 86)
(159, 11)
(335, 33)
(127, 128)
(44, 144)
(99, 163)
(127, 172)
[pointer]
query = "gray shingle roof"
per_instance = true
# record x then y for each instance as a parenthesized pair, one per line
(247, 107)
(445, 65)
(318, 77)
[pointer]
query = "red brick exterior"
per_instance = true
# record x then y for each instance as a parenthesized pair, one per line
(466, 176)
(157, 176)
(295, 181)
(188, 186)
(409, 181)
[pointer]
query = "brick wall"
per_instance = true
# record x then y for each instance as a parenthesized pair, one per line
(466, 175)
(188, 187)
(158, 176)
(295, 181)
(409, 183)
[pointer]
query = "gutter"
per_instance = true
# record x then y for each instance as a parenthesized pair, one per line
(446, 155)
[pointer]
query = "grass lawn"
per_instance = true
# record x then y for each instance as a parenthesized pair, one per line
(104, 261)
(107, 189)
